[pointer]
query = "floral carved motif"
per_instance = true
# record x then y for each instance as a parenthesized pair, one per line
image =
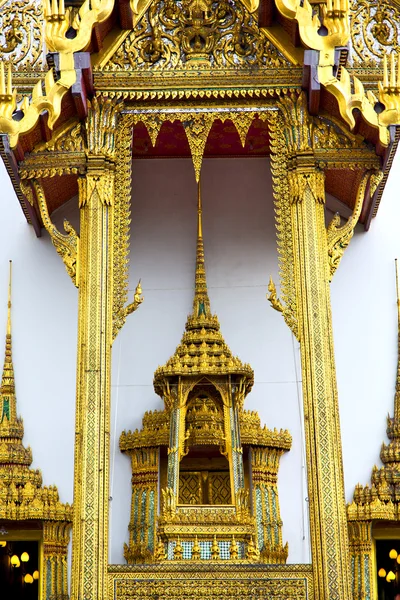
(375, 30)
(196, 33)
(21, 33)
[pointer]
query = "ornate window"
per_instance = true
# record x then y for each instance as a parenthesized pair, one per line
(204, 460)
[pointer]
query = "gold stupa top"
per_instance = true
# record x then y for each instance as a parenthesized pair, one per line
(11, 427)
(22, 495)
(203, 350)
(390, 453)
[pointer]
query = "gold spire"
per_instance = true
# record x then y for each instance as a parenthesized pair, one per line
(22, 496)
(397, 394)
(11, 428)
(201, 302)
(202, 349)
(390, 454)
(7, 380)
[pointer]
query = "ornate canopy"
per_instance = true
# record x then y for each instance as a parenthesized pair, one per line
(168, 54)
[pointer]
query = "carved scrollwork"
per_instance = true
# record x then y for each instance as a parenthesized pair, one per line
(67, 246)
(375, 30)
(196, 33)
(21, 33)
(339, 237)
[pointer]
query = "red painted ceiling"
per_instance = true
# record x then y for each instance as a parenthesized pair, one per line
(223, 140)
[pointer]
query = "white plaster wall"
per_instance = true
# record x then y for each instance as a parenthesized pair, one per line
(44, 319)
(240, 254)
(365, 331)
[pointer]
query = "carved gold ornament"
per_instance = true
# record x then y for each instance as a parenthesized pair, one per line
(375, 31)
(206, 512)
(21, 34)
(196, 34)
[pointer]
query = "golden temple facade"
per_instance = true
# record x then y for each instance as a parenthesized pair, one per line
(312, 85)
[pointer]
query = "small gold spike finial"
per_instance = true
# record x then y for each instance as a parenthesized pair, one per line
(199, 212)
(8, 371)
(397, 394)
(397, 291)
(7, 390)
(201, 302)
(9, 301)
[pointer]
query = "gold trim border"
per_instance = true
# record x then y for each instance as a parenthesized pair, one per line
(206, 571)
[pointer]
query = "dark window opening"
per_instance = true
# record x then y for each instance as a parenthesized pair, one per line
(388, 569)
(19, 570)
(204, 477)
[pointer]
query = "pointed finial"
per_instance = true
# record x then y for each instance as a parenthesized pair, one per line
(397, 290)
(9, 301)
(397, 394)
(7, 390)
(201, 302)
(199, 212)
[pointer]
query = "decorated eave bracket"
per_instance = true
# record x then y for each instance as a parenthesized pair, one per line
(327, 35)
(67, 246)
(338, 239)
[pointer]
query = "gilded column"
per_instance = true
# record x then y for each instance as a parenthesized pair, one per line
(95, 334)
(302, 239)
(55, 553)
(264, 473)
(144, 506)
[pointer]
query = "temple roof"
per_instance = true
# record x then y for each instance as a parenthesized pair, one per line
(137, 50)
(203, 350)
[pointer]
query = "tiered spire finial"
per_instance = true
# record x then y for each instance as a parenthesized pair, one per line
(203, 349)
(201, 301)
(381, 500)
(390, 454)
(7, 390)
(22, 496)
(397, 394)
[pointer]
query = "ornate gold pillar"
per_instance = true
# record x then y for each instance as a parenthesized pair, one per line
(144, 505)
(97, 263)
(364, 584)
(302, 240)
(95, 334)
(55, 552)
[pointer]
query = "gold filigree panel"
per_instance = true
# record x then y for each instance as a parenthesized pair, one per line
(219, 488)
(21, 33)
(190, 488)
(204, 487)
(195, 581)
(375, 30)
(193, 34)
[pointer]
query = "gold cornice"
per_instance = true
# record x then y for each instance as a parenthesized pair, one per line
(110, 45)
(207, 84)
(281, 40)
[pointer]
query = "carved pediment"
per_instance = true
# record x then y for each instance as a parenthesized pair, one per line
(195, 34)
